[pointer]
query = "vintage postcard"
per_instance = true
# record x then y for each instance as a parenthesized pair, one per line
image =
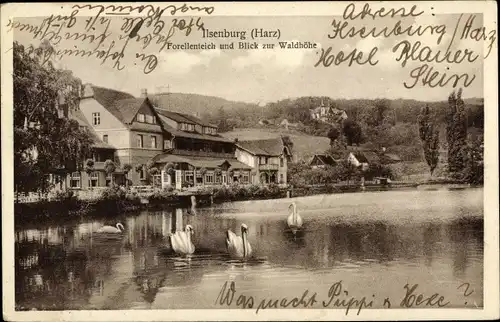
(250, 161)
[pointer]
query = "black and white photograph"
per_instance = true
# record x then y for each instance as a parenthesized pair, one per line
(254, 161)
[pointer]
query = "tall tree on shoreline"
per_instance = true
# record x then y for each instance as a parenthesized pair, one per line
(429, 134)
(456, 132)
(352, 132)
(46, 141)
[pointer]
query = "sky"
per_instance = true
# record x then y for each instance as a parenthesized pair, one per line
(265, 75)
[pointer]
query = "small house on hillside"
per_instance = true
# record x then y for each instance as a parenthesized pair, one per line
(321, 161)
(328, 114)
(363, 158)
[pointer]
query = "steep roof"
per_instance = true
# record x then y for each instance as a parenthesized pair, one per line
(198, 120)
(183, 118)
(178, 117)
(390, 158)
(366, 156)
(324, 158)
(78, 116)
(123, 106)
(108, 97)
(269, 147)
(128, 108)
(191, 135)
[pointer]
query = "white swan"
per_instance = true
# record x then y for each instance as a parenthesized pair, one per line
(111, 230)
(238, 246)
(181, 241)
(294, 220)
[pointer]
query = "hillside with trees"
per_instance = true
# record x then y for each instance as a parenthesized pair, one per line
(377, 123)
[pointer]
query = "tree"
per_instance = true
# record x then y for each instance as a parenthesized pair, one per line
(456, 132)
(110, 168)
(333, 134)
(429, 134)
(223, 125)
(152, 172)
(45, 140)
(169, 169)
(89, 168)
(126, 169)
(473, 171)
(352, 132)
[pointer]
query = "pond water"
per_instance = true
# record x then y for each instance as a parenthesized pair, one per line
(374, 243)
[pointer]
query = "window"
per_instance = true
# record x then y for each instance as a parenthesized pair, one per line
(94, 179)
(142, 174)
(140, 142)
(210, 130)
(189, 177)
(187, 127)
(199, 178)
(150, 119)
(75, 180)
(282, 162)
(166, 177)
(108, 180)
(262, 160)
(167, 144)
(105, 138)
(218, 179)
(209, 177)
(282, 178)
(96, 118)
(153, 141)
(141, 118)
(154, 119)
(245, 178)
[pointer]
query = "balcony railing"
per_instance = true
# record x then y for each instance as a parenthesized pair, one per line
(268, 166)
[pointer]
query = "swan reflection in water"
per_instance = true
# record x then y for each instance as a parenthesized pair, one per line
(294, 220)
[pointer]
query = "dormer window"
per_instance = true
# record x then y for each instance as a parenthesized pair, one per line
(209, 130)
(187, 127)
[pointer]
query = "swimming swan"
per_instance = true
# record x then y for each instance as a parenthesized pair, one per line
(111, 230)
(238, 246)
(181, 241)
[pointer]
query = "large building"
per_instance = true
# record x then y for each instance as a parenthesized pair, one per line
(163, 147)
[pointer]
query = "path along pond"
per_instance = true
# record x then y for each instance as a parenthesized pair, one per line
(374, 242)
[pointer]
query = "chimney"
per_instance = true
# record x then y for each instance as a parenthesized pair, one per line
(144, 92)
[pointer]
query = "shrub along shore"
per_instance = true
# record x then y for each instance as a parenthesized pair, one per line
(116, 200)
